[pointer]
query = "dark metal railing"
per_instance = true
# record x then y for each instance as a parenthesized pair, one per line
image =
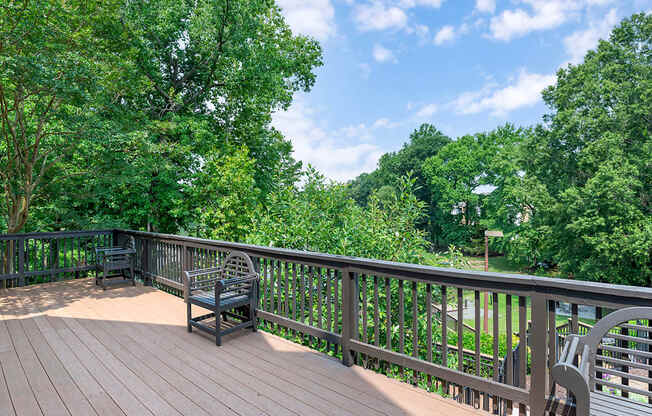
(377, 314)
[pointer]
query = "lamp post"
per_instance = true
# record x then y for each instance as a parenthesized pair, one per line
(488, 234)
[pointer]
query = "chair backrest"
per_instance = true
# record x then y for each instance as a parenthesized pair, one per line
(237, 264)
(130, 243)
(621, 353)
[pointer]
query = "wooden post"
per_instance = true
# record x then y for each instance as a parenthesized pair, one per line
(538, 348)
(349, 316)
(21, 261)
(144, 263)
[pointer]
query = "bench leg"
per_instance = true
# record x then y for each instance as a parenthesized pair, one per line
(189, 316)
(103, 279)
(218, 326)
(252, 317)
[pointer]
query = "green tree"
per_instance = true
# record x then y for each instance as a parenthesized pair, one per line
(53, 61)
(190, 82)
(588, 172)
(468, 177)
(225, 196)
(424, 142)
(206, 76)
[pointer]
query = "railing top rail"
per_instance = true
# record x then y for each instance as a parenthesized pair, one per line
(555, 287)
(53, 234)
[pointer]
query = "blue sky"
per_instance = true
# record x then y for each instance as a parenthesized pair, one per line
(463, 65)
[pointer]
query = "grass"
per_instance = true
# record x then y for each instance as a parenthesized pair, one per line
(501, 264)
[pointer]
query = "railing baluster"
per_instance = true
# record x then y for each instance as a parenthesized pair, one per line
(444, 333)
(304, 292)
(401, 323)
(477, 328)
(522, 350)
(415, 329)
(285, 271)
(376, 317)
(329, 307)
(294, 293)
(509, 366)
(429, 328)
(649, 360)
(625, 369)
(575, 329)
(496, 330)
(460, 339)
(552, 341)
(311, 309)
(364, 316)
(388, 326)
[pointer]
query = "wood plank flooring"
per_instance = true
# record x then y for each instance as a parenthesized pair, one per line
(69, 348)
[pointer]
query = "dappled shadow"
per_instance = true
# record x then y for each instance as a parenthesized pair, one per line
(134, 344)
(55, 295)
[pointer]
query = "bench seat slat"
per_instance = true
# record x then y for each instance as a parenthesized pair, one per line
(606, 404)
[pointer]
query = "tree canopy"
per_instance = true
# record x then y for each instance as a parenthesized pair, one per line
(157, 116)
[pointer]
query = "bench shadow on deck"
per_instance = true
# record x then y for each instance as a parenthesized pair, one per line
(69, 348)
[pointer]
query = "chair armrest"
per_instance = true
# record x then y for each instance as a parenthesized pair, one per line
(573, 377)
(192, 280)
(226, 283)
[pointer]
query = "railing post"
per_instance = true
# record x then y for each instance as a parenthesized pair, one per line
(21, 261)
(538, 348)
(144, 263)
(349, 315)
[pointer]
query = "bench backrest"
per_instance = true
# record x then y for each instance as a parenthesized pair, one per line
(620, 346)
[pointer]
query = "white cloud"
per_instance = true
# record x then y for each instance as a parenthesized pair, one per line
(485, 6)
(427, 110)
(385, 123)
(407, 4)
(377, 16)
(382, 54)
(341, 155)
(524, 92)
(579, 42)
(546, 14)
(313, 18)
(445, 34)
(422, 31)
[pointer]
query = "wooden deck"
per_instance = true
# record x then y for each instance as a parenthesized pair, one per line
(69, 348)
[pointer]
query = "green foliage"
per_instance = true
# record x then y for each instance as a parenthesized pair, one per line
(457, 174)
(225, 196)
(320, 216)
(53, 61)
(423, 143)
(587, 182)
(151, 90)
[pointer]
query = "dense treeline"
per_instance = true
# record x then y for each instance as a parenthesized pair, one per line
(157, 116)
(574, 191)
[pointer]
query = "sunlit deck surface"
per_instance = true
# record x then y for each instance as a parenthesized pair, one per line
(69, 348)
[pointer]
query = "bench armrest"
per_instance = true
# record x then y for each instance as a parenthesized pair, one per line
(575, 378)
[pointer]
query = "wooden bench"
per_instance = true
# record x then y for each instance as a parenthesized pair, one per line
(590, 365)
(115, 264)
(228, 291)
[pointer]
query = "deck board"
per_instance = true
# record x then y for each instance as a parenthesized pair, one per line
(71, 348)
